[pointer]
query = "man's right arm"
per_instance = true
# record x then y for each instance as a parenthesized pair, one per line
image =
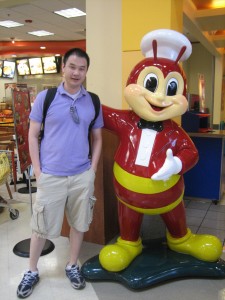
(33, 138)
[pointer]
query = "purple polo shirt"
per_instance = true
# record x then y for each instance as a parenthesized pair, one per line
(64, 148)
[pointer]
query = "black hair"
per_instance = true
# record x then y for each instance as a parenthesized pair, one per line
(78, 52)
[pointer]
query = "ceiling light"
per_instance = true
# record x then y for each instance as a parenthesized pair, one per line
(70, 13)
(218, 4)
(10, 24)
(211, 4)
(41, 33)
(42, 47)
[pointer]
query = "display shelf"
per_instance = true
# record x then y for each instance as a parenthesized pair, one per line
(193, 121)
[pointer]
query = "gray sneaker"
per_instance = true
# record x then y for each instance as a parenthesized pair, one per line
(76, 279)
(27, 284)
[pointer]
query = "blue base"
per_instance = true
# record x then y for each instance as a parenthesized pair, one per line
(156, 264)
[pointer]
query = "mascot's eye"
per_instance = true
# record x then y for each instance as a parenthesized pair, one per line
(151, 82)
(172, 86)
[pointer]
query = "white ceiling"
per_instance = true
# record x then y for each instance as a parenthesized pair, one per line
(199, 24)
(43, 18)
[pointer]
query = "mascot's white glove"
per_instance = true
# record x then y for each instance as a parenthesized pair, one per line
(171, 166)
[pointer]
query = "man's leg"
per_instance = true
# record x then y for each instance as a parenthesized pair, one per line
(31, 277)
(36, 246)
(50, 202)
(78, 212)
(76, 239)
(72, 269)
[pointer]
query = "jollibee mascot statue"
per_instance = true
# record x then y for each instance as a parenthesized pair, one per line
(154, 153)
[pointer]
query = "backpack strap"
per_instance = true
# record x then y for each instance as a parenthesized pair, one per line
(50, 95)
(96, 103)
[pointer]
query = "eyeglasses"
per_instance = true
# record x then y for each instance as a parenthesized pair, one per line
(74, 114)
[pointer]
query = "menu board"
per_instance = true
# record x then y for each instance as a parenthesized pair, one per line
(22, 66)
(8, 70)
(21, 109)
(49, 65)
(35, 66)
(1, 67)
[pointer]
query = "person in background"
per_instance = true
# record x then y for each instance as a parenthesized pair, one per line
(64, 170)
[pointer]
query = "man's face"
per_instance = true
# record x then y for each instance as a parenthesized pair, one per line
(75, 71)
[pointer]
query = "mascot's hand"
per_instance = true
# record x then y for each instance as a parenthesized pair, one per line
(171, 166)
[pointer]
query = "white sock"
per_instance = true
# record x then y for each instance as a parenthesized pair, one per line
(68, 267)
(34, 272)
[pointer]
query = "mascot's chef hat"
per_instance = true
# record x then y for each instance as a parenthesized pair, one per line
(169, 44)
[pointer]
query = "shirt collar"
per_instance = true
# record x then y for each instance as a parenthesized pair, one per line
(62, 91)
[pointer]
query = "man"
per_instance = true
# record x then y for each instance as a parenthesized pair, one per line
(64, 171)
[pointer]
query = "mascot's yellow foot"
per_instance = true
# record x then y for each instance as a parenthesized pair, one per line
(118, 256)
(204, 247)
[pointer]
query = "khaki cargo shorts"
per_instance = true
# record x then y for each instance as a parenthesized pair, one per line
(56, 194)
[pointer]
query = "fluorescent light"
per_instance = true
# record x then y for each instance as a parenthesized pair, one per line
(10, 24)
(41, 33)
(70, 13)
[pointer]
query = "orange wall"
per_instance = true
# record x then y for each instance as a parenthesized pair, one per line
(23, 48)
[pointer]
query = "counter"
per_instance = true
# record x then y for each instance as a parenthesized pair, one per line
(206, 179)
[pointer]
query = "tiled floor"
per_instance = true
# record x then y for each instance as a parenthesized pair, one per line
(202, 216)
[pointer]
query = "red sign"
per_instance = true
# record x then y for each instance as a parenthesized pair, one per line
(21, 109)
